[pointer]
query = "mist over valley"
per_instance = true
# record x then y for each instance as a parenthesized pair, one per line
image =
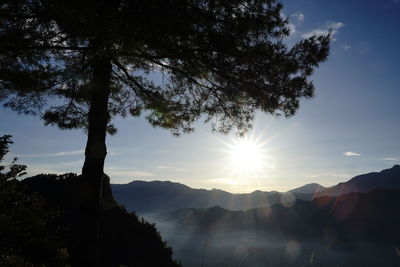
(307, 226)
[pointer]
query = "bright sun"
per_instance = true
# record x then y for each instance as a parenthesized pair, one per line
(246, 155)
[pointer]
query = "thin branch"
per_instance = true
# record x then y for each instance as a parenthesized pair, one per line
(181, 72)
(130, 78)
(50, 47)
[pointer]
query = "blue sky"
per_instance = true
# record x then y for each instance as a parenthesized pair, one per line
(356, 110)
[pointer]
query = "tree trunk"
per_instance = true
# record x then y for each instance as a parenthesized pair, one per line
(93, 168)
(98, 118)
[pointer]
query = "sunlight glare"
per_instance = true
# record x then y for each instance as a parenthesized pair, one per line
(246, 155)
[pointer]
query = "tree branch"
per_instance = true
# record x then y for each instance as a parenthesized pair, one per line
(50, 47)
(130, 78)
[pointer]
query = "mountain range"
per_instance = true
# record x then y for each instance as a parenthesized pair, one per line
(162, 196)
(356, 229)
(354, 223)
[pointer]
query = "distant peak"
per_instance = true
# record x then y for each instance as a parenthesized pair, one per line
(216, 208)
(308, 188)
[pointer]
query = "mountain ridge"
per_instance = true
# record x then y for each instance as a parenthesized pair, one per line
(160, 196)
(352, 215)
(385, 179)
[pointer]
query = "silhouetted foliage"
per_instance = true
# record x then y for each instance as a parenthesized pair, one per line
(14, 170)
(28, 235)
(222, 60)
(124, 239)
(218, 58)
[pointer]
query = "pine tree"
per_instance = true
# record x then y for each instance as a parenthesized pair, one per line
(79, 64)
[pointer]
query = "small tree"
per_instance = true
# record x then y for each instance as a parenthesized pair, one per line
(26, 234)
(14, 170)
(80, 63)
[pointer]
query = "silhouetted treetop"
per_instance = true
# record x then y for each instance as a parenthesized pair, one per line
(12, 170)
(28, 236)
(223, 59)
(81, 63)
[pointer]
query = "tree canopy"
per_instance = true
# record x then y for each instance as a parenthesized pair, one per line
(221, 59)
(79, 63)
(27, 237)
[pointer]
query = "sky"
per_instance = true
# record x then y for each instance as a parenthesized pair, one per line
(350, 127)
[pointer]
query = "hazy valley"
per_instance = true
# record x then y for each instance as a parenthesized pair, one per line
(351, 224)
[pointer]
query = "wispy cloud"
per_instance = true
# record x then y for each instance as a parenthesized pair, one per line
(62, 153)
(392, 159)
(129, 173)
(56, 168)
(224, 181)
(57, 154)
(35, 171)
(346, 47)
(292, 28)
(166, 167)
(298, 19)
(328, 174)
(331, 26)
(299, 16)
(351, 154)
(335, 25)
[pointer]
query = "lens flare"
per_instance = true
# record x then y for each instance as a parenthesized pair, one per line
(247, 156)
